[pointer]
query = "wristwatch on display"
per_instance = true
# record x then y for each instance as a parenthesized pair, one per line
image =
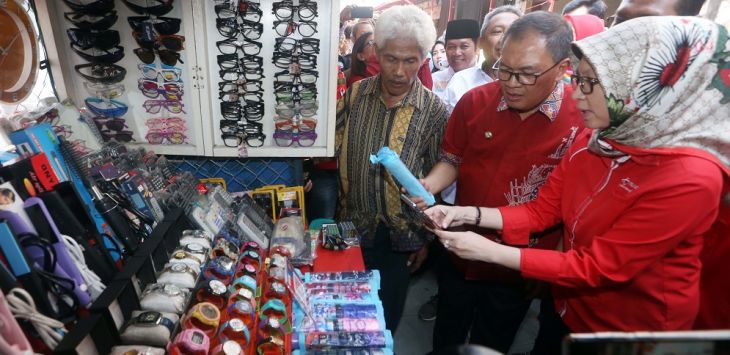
(164, 298)
(220, 268)
(204, 316)
(274, 309)
(197, 233)
(253, 258)
(244, 282)
(224, 248)
(215, 292)
(277, 291)
(179, 274)
(187, 258)
(190, 342)
(151, 319)
(234, 329)
(243, 310)
(245, 269)
(197, 239)
(229, 347)
(271, 345)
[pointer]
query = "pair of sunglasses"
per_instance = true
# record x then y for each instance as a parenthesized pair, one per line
(151, 89)
(167, 57)
(288, 111)
(96, 8)
(155, 106)
(163, 7)
(166, 122)
(158, 137)
(298, 124)
(101, 73)
(163, 25)
(171, 42)
(288, 138)
(151, 72)
(106, 108)
(103, 90)
(86, 39)
(112, 124)
(122, 136)
(108, 56)
(91, 22)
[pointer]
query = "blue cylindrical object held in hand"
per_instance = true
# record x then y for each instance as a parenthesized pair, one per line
(400, 172)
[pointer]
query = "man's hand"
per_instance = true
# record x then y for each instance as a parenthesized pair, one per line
(416, 259)
(420, 203)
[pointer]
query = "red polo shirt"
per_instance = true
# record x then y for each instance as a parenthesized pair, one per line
(503, 159)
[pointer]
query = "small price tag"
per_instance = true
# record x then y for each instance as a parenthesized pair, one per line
(242, 150)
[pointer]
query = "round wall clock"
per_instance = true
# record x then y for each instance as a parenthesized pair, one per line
(18, 52)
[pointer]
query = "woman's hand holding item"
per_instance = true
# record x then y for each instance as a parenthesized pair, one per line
(472, 246)
(451, 216)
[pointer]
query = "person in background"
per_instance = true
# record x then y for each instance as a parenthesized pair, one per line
(630, 9)
(358, 29)
(584, 25)
(362, 52)
(638, 193)
(502, 141)
(596, 8)
(461, 52)
(495, 24)
(438, 56)
(391, 109)
(343, 56)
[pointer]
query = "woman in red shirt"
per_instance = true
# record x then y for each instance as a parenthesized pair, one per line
(636, 195)
(363, 54)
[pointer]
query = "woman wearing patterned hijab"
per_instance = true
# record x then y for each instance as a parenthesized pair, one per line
(638, 193)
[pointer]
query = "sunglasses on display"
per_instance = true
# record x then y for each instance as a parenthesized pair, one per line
(101, 73)
(166, 123)
(301, 124)
(123, 136)
(171, 42)
(291, 45)
(233, 46)
(158, 137)
(96, 8)
(167, 57)
(152, 89)
(107, 56)
(288, 111)
(288, 138)
(242, 87)
(172, 106)
(168, 74)
(230, 27)
(91, 22)
(86, 39)
(106, 108)
(162, 25)
(163, 8)
(289, 27)
(103, 90)
(285, 10)
(305, 76)
(112, 124)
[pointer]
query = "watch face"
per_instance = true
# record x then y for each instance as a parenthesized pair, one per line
(245, 293)
(243, 307)
(197, 338)
(180, 255)
(209, 311)
(195, 248)
(179, 268)
(170, 290)
(249, 269)
(236, 324)
(232, 348)
(149, 318)
(278, 288)
(225, 263)
(216, 287)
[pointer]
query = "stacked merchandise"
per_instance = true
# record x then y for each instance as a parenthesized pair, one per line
(161, 85)
(345, 315)
(95, 42)
(295, 85)
(240, 89)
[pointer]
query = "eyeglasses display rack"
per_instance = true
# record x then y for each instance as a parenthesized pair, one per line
(216, 78)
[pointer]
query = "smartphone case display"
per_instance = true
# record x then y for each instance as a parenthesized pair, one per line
(227, 78)
(129, 65)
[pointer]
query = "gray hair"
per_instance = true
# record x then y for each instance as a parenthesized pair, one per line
(406, 22)
(552, 27)
(496, 11)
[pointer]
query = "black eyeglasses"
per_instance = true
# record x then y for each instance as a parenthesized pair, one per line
(101, 73)
(291, 45)
(584, 83)
(91, 22)
(85, 39)
(288, 27)
(239, 75)
(163, 8)
(305, 76)
(163, 25)
(121, 136)
(96, 8)
(229, 27)
(285, 10)
(244, 86)
(304, 61)
(110, 56)
(253, 110)
(232, 46)
(522, 78)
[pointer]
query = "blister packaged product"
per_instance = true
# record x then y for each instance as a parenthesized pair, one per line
(350, 276)
(346, 352)
(355, 291)
(289, 232)
(332, 316)
(345, 340)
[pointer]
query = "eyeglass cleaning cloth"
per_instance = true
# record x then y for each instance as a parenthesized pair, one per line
(400, 172)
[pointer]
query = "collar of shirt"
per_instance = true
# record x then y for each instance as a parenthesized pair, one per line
(550, 107)
(414, 97)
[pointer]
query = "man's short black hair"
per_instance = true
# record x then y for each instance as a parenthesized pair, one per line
(595, 7)
(550, 26)
(688, 7)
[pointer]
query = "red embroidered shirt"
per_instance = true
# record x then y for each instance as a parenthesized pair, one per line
(633, 233)
(503, 160)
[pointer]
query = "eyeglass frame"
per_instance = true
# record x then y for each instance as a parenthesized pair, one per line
(577, 80)
(524, 75)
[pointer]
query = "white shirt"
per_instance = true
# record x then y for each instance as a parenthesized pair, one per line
(441, 80)
(462, 82)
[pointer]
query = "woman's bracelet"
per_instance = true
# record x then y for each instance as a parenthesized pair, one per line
(479, 215)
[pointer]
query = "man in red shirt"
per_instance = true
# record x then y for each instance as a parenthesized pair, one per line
(502, 141)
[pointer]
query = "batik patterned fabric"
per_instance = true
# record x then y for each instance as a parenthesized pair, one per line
(412, 128)
(550, 107)
(675, 94)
